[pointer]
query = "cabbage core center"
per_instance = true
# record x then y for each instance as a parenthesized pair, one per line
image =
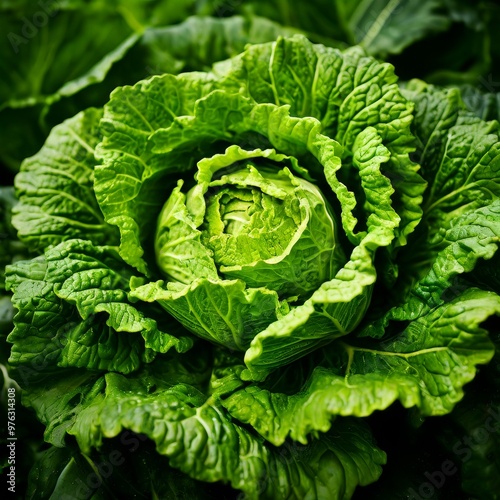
(243, 226)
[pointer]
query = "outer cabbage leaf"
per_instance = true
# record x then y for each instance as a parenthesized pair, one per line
(382, 27)
(11, 249)
(425, 366)
(55, 188)
(347, 92)
(58, 395)
(466, 249)
(199, 41)
(472, 237)
(224, 312)
(484, 104)
(36, 35)
(385, 27)
(318, 20)
(459, 154)
(59, 297)
(58, 470)
(86, 59)
(202, 440)
(474, 145)
(122, 467)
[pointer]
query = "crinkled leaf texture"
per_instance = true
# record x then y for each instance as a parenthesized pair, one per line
(426, 363)
(459, 153)
(55, 188)
(459, 156)
(472, 238)
(73, 312)
(99, 357)
(11, 249)
(321, 108)
(425, 366)
(200, 438)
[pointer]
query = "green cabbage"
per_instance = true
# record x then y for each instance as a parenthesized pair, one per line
(238, 265)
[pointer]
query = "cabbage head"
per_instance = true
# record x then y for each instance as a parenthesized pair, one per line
(238, 265)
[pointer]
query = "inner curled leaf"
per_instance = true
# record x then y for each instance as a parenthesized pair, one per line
(246, 225)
